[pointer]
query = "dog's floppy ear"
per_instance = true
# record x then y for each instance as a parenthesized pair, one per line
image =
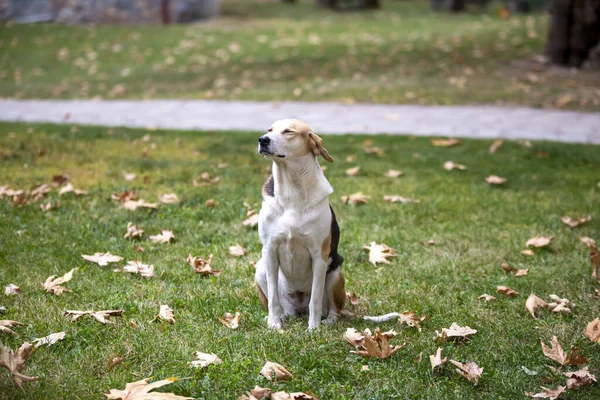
(316, 146)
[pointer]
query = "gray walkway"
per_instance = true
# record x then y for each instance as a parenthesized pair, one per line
(460, 121)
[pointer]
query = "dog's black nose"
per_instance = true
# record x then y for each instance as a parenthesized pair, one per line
(264, 140)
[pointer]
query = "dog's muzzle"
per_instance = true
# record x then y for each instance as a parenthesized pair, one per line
(263, 145)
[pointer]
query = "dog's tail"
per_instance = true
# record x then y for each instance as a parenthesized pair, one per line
(382, 318)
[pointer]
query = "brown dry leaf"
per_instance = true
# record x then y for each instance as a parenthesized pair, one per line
(133, 231)
(379, 253)
(532, 303)
(539, 241)
(595, 259)
(275, 372)
(352, 171)
(368, 148)
(399, 199)
(135, 204)
(393, 173)
(505, 290)
(580, 378)
(449, 165)
(12, 290)
(102, 259)
(260, 393)
(507, 268)
(445, 142)
(495, 180)
(205, 179)
(237, 250)
(354, 337)
(6, 324)
(139, 390)
(166, 314)
(230, 320)
(559, 305)
(486, 297)
(522, 272)
(14, 361)
(129, 176)
(138, 267)
(53, 285)
(455, 332)
(436, 359)
(101, 316)
(409, 318)
(352, 298)
(496, 145)
(205, 359)
(377, 345)
(351, 158)
(292, 396)
(470, 371)
(112, 361)
(202, 266)
(59, 180)
(251, 221)
(125, 196)
(592, 330)
(557, 354)
(50, 339)
(588, 241)
(429, 243)
(548, 393)
(527, 252)
(50, 206)
(169, 198)
(68, 188)
(210, 203)
(163, 237)
(356, 199)
(574, 223)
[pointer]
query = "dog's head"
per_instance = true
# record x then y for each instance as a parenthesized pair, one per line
(287, 139)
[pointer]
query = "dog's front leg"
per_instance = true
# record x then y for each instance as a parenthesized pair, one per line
(272, 271)
(315, 307)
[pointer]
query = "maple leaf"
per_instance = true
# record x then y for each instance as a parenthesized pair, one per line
(429, 243)
(595, 259)
(230, 320)
(532, 303)
(14, 361)
(436, 359)
(169, 198)
(592, 330)
(579, 378)
(527, 252)
(251, 221)
(139, 390)
(353, 171)
(68, 188)
(355, 199)
(548, 393)
(522, 272)
(556, 353)
(445, 142)
(101, 316)
(505, 290)
(292, 396)
(393, 173)
(237, 250)
(507, 268)
(455, 332)
(50, 206)
(133, 231)
(202, 266)
(496, 145)
(112, 361)
(449, 165)
(559, 305)
(495, 180)
(368, 148)
(379, 253)
(377, 344)
(486, 297)
(258, 393)
(129, 176)
(166, 314)
(399, 199)
(138, 267)
(205, 359)
(275, 372)
(125, 196)
(470, 371)
(352, 298)
(102, 259)
(6, 324)
(575, 223)
(12, 290)
(588, 241)
(539, 241)
(50, 339)
(164, 236)
(135, 204)
(410, 319)
(53, 285)
(354, 337)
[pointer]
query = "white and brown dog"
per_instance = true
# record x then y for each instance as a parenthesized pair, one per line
(300, 268)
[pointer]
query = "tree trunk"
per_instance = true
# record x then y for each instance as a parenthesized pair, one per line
(368, 4)
(331, 4)
(288, 1)
(454, 5)
(164, 12)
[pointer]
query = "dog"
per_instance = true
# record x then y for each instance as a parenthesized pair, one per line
(300, 268)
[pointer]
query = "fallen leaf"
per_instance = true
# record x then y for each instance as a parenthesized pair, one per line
(580, 378)
(166, 314)
(470, 371)
(496, 145)
(436, 359)
(50, 206)
(364, 368)
(102, 259)
(237, 250)
(429, 243)
(202, 266)
(355, 199)
(125, 196)
(455, 332)
(135, 204)
(495, 180)
(592, 330)
(486, 297)
(379, 253)
(445, 142)
(449, 165)
(53, 285)
(409, 318)
(292, 396)
(532, 303)
(399, 199)
(169, 198)
(505, 290)
(112, 361)
(507, 268)
(14, 361)
(588, 241)
(351, 158)
(205, 359)
(557, 354)
(210, 203)
(559, 305)
(6, 324)
(377, 345)
(138, 267)
(259, 393)
(101, 316)
(133, 231)
(352, 298)
(548, 393)
(50, 339)
(275, 372)
(527, 252)
(595, 259)
(251, 221)
(230, 320)
(129, 176)
(354, 337)
(522, 272)
(539, 241)
(68, 188)
(370, 149)
(575, 223)
(352, 171)
(393, 173)
(12, 290)
(139, 390)
(163, 237)
(59, 180)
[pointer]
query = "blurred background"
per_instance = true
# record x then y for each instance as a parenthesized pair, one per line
(534, 53)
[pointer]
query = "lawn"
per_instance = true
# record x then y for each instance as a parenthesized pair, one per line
(271, 51)
(476, 227)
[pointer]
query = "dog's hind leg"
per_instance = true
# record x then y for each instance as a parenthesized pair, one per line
(335, 295)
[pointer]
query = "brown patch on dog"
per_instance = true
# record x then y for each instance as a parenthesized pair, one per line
(337, 295)
(326, 247)
(316, 146)
(262, 297)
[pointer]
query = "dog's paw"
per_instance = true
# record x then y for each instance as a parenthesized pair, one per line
(274, 322)
(331, 318)
(313, 325)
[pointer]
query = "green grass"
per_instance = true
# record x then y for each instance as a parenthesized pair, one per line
(403, 53)
(476, 227)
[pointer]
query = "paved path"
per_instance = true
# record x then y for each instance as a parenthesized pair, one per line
(460, 121)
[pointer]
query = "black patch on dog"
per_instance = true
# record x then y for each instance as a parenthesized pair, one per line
(268, 189)
(336, 259)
